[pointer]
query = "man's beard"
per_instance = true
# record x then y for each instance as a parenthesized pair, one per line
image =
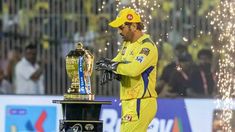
(127, 37)
(124, 38)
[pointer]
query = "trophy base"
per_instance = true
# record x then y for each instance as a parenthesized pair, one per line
(70, 96)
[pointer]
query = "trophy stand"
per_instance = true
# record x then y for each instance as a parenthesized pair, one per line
(81, 115)
(80, 110)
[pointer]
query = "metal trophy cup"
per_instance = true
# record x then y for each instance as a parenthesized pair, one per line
(79, 66)
(80, 111)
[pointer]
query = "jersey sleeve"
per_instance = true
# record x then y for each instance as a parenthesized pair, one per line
(118, 57)
(145, 57)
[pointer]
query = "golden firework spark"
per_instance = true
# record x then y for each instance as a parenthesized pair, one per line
(143, 7)
(223, 21)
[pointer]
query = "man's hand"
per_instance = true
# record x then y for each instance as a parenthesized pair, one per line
(104, 60)
(107, 67)
(109, 76)
(106, 64)
(36, 75)
(106, 76)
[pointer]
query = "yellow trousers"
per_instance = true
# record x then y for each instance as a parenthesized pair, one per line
(137, 114)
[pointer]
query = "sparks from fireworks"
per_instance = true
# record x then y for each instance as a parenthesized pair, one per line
(223, 21)
(143, 7)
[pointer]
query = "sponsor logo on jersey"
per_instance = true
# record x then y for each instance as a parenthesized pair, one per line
(145, 51)
(140, 59)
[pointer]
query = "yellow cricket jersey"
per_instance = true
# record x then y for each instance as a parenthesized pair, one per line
(138, 68)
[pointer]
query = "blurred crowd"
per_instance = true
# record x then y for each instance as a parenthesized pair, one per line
(184, 77)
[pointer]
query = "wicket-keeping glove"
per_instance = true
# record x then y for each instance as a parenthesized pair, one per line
(106, 64)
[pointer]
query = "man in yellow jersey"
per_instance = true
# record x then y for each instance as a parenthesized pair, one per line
(136, 64)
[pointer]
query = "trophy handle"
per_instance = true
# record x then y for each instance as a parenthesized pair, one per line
(89, 62)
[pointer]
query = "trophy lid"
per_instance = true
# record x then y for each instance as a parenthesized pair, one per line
(79, 50)
(79, 46)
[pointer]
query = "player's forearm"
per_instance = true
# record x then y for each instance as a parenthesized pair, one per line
(36, 75)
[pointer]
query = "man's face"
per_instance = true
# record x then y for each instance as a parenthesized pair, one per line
(125, 32)
(31, 55)
(204, 60)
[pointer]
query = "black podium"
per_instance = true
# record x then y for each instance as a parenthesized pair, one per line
(81, 115)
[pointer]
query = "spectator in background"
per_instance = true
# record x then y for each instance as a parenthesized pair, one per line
(13, 58)
(29, 78)
(179, 79)
(2, 62)
(202, 82)
(163, 84)
(5, 86)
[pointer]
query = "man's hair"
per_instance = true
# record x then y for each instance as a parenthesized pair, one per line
(205, 52)
(140, 25)
(30, 46)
